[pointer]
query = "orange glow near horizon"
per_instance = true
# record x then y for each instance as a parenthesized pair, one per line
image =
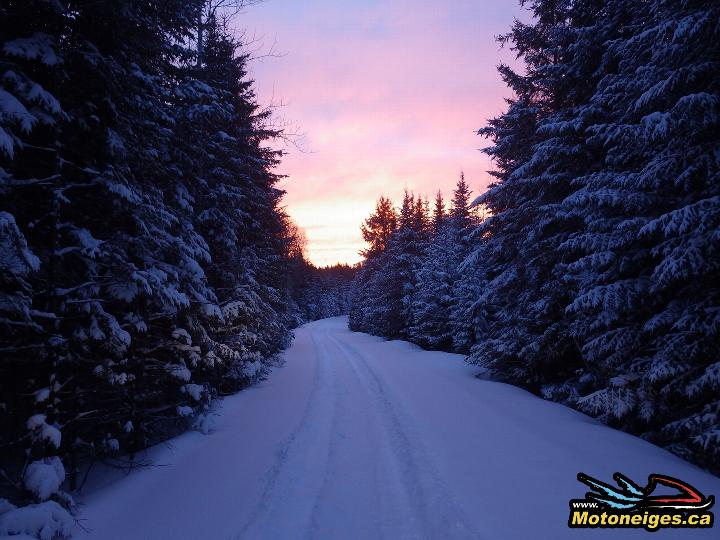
(390, 96)
(330, 226)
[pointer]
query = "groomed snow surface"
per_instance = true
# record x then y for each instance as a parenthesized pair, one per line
(356, 437)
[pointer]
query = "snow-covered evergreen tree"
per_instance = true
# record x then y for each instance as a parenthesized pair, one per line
(144, 253)
(598, 256)
(237, 210)
(386, 285)
(434, 304)
(540, 149)
(647, 259)
(368, 309)
(593, 280)
(325, 292)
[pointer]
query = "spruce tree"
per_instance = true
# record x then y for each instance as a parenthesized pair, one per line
(646, 262)
(378, 227)
(438, 216)
(540, 148)
(146, 249)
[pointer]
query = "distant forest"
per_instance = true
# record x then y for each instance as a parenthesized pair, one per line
(594, 277)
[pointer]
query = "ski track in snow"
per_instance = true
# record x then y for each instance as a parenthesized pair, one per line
(301, 465)
(434, 506)
(413, 503)
(358, 438)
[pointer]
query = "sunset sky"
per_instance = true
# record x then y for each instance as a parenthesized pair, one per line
(388, 94)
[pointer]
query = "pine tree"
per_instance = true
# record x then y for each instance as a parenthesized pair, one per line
(433, 299)
(460, 206)
(459, 326)
(540, 149)
(407, 248)
(238, 211)
(646, 263)
(385, 285)
(439, 216)
(595, 263)
(369, 305)
(147, 254)
(378, 227)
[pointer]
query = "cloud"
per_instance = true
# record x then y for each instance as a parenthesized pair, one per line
(390, 95)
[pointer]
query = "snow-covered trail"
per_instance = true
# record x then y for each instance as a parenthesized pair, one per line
(356, 437)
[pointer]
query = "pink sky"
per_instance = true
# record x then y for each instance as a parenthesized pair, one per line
(388, 94)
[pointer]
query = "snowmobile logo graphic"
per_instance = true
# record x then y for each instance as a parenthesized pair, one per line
(664, 502)
(630, 496)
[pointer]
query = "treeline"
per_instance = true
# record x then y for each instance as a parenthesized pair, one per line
(316, 292)
(595, 279)
(324, 292)
(144, 253)
(405, 287)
